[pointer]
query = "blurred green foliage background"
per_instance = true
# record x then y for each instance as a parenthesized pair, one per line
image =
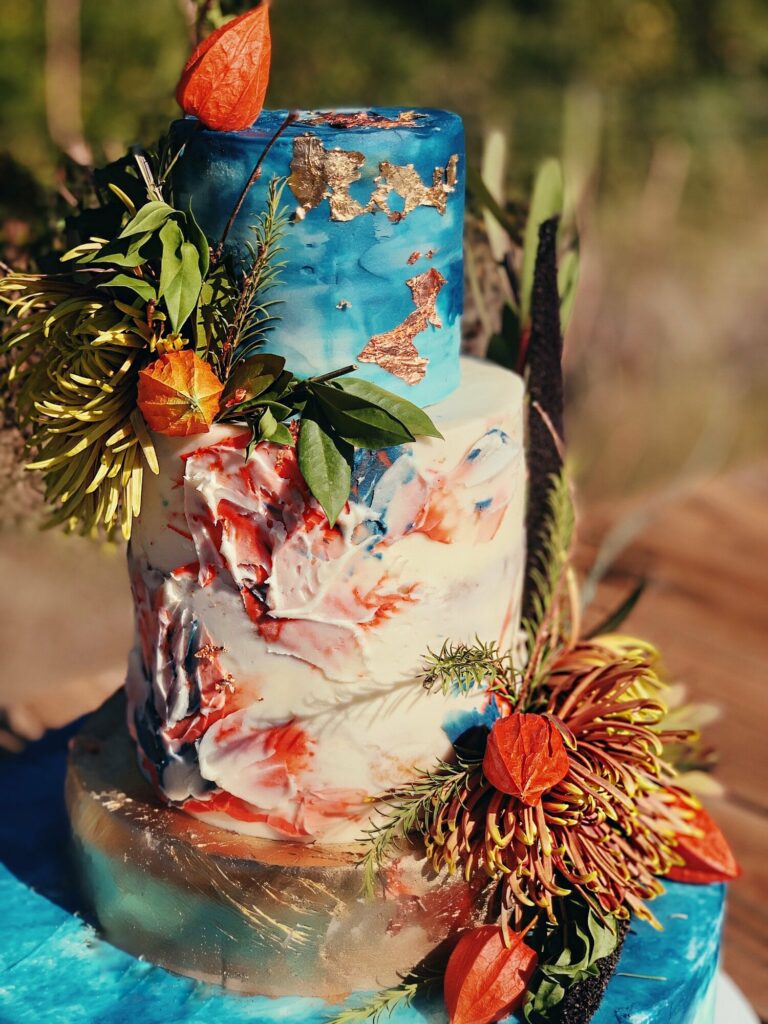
(659, 109)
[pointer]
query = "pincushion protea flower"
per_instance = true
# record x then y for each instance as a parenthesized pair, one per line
(608, 829)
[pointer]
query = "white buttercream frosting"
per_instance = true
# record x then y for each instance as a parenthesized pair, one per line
(274, 688)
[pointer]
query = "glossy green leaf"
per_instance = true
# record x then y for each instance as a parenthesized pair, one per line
(180, 278)
(254, 376)
(120, 253)
(357, 421)
(326, 464)
(138, 285)
(540, 1002)
(149, 219)
(546, 202)
(411, 416)
(274, 432)
(197, 237)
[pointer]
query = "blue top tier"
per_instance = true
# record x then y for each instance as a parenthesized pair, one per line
(374, 272)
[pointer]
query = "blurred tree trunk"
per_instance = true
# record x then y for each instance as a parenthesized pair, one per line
(63, 91)
(700, 24)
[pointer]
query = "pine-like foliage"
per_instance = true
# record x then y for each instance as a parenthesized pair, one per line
(547, 579)
(381, 1005)
(463, 667)
(254, 315)
(410, 809)
(74, 358)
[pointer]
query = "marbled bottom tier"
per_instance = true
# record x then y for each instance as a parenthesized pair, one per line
(55, 968)
(667, 977)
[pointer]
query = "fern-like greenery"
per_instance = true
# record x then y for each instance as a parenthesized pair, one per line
(382, 1004)
(554, 551)
(463, 667)
(254, 315)
(547, 580)
(412, 809)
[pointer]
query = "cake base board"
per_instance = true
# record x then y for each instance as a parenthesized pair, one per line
(254, 915)
(56, 967)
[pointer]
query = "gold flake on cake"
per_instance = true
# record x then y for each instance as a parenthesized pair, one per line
(364, 119)
(318, 174)
(395, 351)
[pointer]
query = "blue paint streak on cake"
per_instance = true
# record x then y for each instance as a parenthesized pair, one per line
(345, 281)
(459, 722)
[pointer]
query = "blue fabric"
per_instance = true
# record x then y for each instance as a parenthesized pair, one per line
(54, 968)
(343, 281)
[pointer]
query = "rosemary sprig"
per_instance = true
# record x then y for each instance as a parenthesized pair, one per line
(465, 666)
(412, 809)
(253, 316)
(547, 582)
(382, 1004)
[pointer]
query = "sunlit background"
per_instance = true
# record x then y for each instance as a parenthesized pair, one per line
(659, 110)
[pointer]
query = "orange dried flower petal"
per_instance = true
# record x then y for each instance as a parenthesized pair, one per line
(525, 757)
(485, 980)
(224, 82)
(179, 394)
(708, 857)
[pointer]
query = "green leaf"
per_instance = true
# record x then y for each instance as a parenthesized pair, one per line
(541, 1001)
(613, 621)
(567, 282)
(274, 432)
(120, 253)
(140, 286)
(325, 463)
(180, 278)
(482, 194)
(411, 416)
(150, 217)
(267, 425)
(254, 376)
(504, 348)
(197, 237)
(357, 421)
(546, 202)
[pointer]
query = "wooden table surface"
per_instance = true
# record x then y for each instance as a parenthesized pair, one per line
(704, 551)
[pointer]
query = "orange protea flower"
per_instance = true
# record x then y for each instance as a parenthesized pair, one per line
(608, 828)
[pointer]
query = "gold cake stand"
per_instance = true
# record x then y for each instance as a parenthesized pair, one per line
(262, 917)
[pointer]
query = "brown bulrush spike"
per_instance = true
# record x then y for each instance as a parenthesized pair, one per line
(545, 390)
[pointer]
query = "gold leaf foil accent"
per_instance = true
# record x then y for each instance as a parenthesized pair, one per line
(364, 119)
(395, 351)
(307, 180)
(407, 183)
(318, 174)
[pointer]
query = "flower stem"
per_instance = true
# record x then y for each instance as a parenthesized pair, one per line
(255, 175)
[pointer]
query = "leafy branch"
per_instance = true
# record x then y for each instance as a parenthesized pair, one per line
(467, 666)
(413, 809)
(547, 580)
(384, 1003)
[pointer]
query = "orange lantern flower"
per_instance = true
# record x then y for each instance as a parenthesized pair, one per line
(485, 979)
(224, 82)
(179, 394)
(525, 757)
